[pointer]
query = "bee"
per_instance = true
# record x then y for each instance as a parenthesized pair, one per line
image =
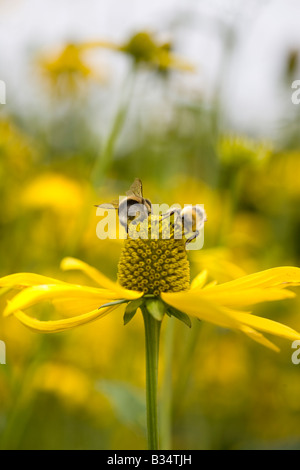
(126, 211)
(192, 219)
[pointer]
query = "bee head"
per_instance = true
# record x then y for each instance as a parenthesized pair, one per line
(133, 208)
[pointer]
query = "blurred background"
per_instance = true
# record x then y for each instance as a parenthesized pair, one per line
(194, 98)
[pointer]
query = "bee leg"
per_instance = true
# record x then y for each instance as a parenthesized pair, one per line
(170, 213)
(189, 240)
(164, 216)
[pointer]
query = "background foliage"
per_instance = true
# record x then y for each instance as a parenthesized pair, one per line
(85, 389)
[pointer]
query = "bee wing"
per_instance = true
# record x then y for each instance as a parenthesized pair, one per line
(106, 205)
(136, 189)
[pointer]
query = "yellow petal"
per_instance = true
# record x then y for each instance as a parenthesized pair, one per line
(192, 303)
(21, 280)
(241, 298)
(279, 277)
(266, 325)
(210, 284)
(218, 263)
(169, 60)
(98, 277)
(96, 44)
(189, 303)
(35, 294)
(61, 325)
(76, 264)
(259, 338)
(199, 281)
(69, 307)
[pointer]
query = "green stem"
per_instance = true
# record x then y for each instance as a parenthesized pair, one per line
(166, 389)
(185, 368)
(103, 163)
(152, 333)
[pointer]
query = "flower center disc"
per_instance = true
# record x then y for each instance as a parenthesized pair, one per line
(154, 265)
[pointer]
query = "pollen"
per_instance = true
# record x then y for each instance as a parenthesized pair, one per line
(154, 265)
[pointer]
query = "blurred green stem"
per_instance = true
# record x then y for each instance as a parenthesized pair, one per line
(185, 367)
(152, 334)
(24, 396)
(231, 198)
(104, 161)
(166, 393)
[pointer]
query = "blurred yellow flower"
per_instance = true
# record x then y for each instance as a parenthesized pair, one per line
(15, 149)
(219, 264)
(238, 150)
(283, 177)
(63, 380)
(144, 48)
(53, 191)
(67, 70)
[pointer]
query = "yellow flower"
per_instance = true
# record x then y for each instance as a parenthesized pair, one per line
(237, 150)
(219, 263)
(68, 69)
(54, 191)
(144, 48)
(63, 380)
(15, 149)
(161, 272)
(283, 178)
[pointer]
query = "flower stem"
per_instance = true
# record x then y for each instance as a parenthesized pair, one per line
(104, 162)
(166, 388)
(152, 333)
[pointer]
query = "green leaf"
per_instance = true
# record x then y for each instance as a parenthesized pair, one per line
(131, 309)
(156, 308)
(179, 315)
(117, 302)
(128, 403)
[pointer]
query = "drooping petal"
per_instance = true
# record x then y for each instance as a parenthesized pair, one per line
(98, 277)
(21, 280)
(258, 337)
(96, 44)
(167, 60)
(61, 325)
(266, 325)
(218, 262)
(4, 290)
(194, 304)
(36, 294)
(199, 281)
(263, 286)
(93, 273)
(210, 284)
(279, 277)
(71, 306)
(240, 298)
(189, 303)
